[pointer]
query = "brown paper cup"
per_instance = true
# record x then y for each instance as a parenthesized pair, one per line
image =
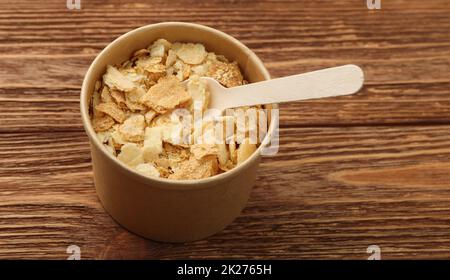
(163, 209)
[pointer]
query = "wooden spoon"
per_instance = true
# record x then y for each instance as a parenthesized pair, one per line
(336, 81)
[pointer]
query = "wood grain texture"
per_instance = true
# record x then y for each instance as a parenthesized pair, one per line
(361, 170)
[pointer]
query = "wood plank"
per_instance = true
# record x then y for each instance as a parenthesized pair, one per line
(406, 65)
(341, 190)
(361, 170)
(30, 109)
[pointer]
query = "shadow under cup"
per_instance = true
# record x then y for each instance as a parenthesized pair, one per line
(159, 208)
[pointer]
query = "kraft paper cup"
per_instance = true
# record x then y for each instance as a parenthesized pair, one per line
(158, 208)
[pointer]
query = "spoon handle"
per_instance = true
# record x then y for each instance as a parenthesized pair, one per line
(336, 81)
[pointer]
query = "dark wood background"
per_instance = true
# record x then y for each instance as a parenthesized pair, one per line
(373, 168)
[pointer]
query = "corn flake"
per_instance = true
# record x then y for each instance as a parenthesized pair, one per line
(112, 110)
(152, 143)
(228, 74)
(102, 123)
(132, 129)
(115, 79)
(148, 169)
(159, 48)
(196, 169)
(131, 155)
(133, 99)
(167, 94)
(190, 53)
(201, 150)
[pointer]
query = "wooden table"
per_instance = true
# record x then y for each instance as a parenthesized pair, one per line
(370, 169)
